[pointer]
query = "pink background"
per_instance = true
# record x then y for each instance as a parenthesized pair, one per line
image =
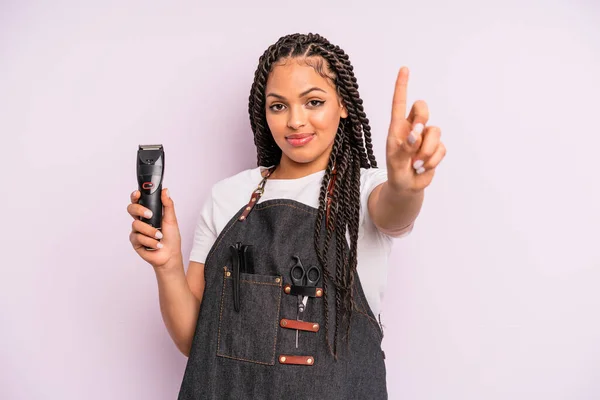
(493, 296)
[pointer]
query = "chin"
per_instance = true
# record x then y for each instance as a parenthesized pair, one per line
(301, 159)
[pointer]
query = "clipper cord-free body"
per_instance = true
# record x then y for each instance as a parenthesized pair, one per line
(150, 171)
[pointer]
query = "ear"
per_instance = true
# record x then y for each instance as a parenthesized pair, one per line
(344, 111)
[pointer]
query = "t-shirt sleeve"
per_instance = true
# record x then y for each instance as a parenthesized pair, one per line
(205, 233)
(372, 178)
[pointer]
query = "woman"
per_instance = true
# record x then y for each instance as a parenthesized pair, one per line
(317, 203)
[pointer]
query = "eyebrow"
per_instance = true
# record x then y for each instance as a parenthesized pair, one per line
(301, 94)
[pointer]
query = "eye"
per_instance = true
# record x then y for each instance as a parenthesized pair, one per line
(316, 103)
(276, 107)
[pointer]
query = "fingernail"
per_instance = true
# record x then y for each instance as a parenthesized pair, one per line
(133, 193)
(418, 164)
(148, 214)
(168, 194)
(158, 235)
(418, 129)
(420, 170)
(159, 245)
(412, 138)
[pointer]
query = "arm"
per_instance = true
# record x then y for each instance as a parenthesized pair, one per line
(394, 212)
(180, 297)
(413, 152)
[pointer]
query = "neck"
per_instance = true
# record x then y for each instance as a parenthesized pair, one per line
(289, 169)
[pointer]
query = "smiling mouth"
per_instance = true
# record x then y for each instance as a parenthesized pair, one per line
(299, 139)
(299, 135)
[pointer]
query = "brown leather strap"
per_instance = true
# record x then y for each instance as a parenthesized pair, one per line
(299, 325)
(256, 194)
(296, 360)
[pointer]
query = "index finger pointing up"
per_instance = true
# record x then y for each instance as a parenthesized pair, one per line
(399, 101)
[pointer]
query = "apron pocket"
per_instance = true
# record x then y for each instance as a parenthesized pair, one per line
(250, 334)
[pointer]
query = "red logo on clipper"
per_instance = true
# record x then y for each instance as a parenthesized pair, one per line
(147, 185)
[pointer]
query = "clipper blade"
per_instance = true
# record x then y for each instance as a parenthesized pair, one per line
(150, 147)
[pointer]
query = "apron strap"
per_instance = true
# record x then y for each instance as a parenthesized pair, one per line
(261, 189)
(256, 194)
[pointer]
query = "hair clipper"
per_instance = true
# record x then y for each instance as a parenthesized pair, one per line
(150, 171)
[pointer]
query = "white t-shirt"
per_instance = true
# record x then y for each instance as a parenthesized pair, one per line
(230, 194)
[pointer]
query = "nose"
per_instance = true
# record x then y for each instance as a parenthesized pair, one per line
(296, 119)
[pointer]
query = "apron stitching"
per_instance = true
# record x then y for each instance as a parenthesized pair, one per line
(372, 320)
(276, 326)
(258, 283)
(221, 317)
(285, 205)
(252, 361)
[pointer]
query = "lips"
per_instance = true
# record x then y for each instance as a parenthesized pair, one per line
(299, 139)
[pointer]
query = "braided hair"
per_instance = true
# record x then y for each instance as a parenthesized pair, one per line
(352, 150)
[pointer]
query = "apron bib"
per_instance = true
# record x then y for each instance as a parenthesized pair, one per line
(244, 345)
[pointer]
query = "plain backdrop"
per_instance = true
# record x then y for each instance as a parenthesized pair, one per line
(493, 296)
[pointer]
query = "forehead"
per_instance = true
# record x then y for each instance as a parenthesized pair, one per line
(295, 75)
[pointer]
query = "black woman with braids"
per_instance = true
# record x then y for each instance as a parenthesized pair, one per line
(282, 295)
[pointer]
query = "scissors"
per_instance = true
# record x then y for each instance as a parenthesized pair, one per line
(303, 277)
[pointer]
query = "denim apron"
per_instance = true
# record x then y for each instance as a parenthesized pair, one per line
(244, 345)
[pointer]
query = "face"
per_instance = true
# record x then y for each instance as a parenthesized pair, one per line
(303, 112)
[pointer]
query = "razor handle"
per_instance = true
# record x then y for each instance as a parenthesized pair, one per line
(150, 171)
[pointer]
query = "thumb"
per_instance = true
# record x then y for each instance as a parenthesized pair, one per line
(407, 146)
(168, 208)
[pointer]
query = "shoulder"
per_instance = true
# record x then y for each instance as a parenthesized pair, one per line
(240, 182)
(228, 195)
(370, 178)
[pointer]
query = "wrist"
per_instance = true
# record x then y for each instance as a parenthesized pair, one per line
(401, 193)
(173, 266)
